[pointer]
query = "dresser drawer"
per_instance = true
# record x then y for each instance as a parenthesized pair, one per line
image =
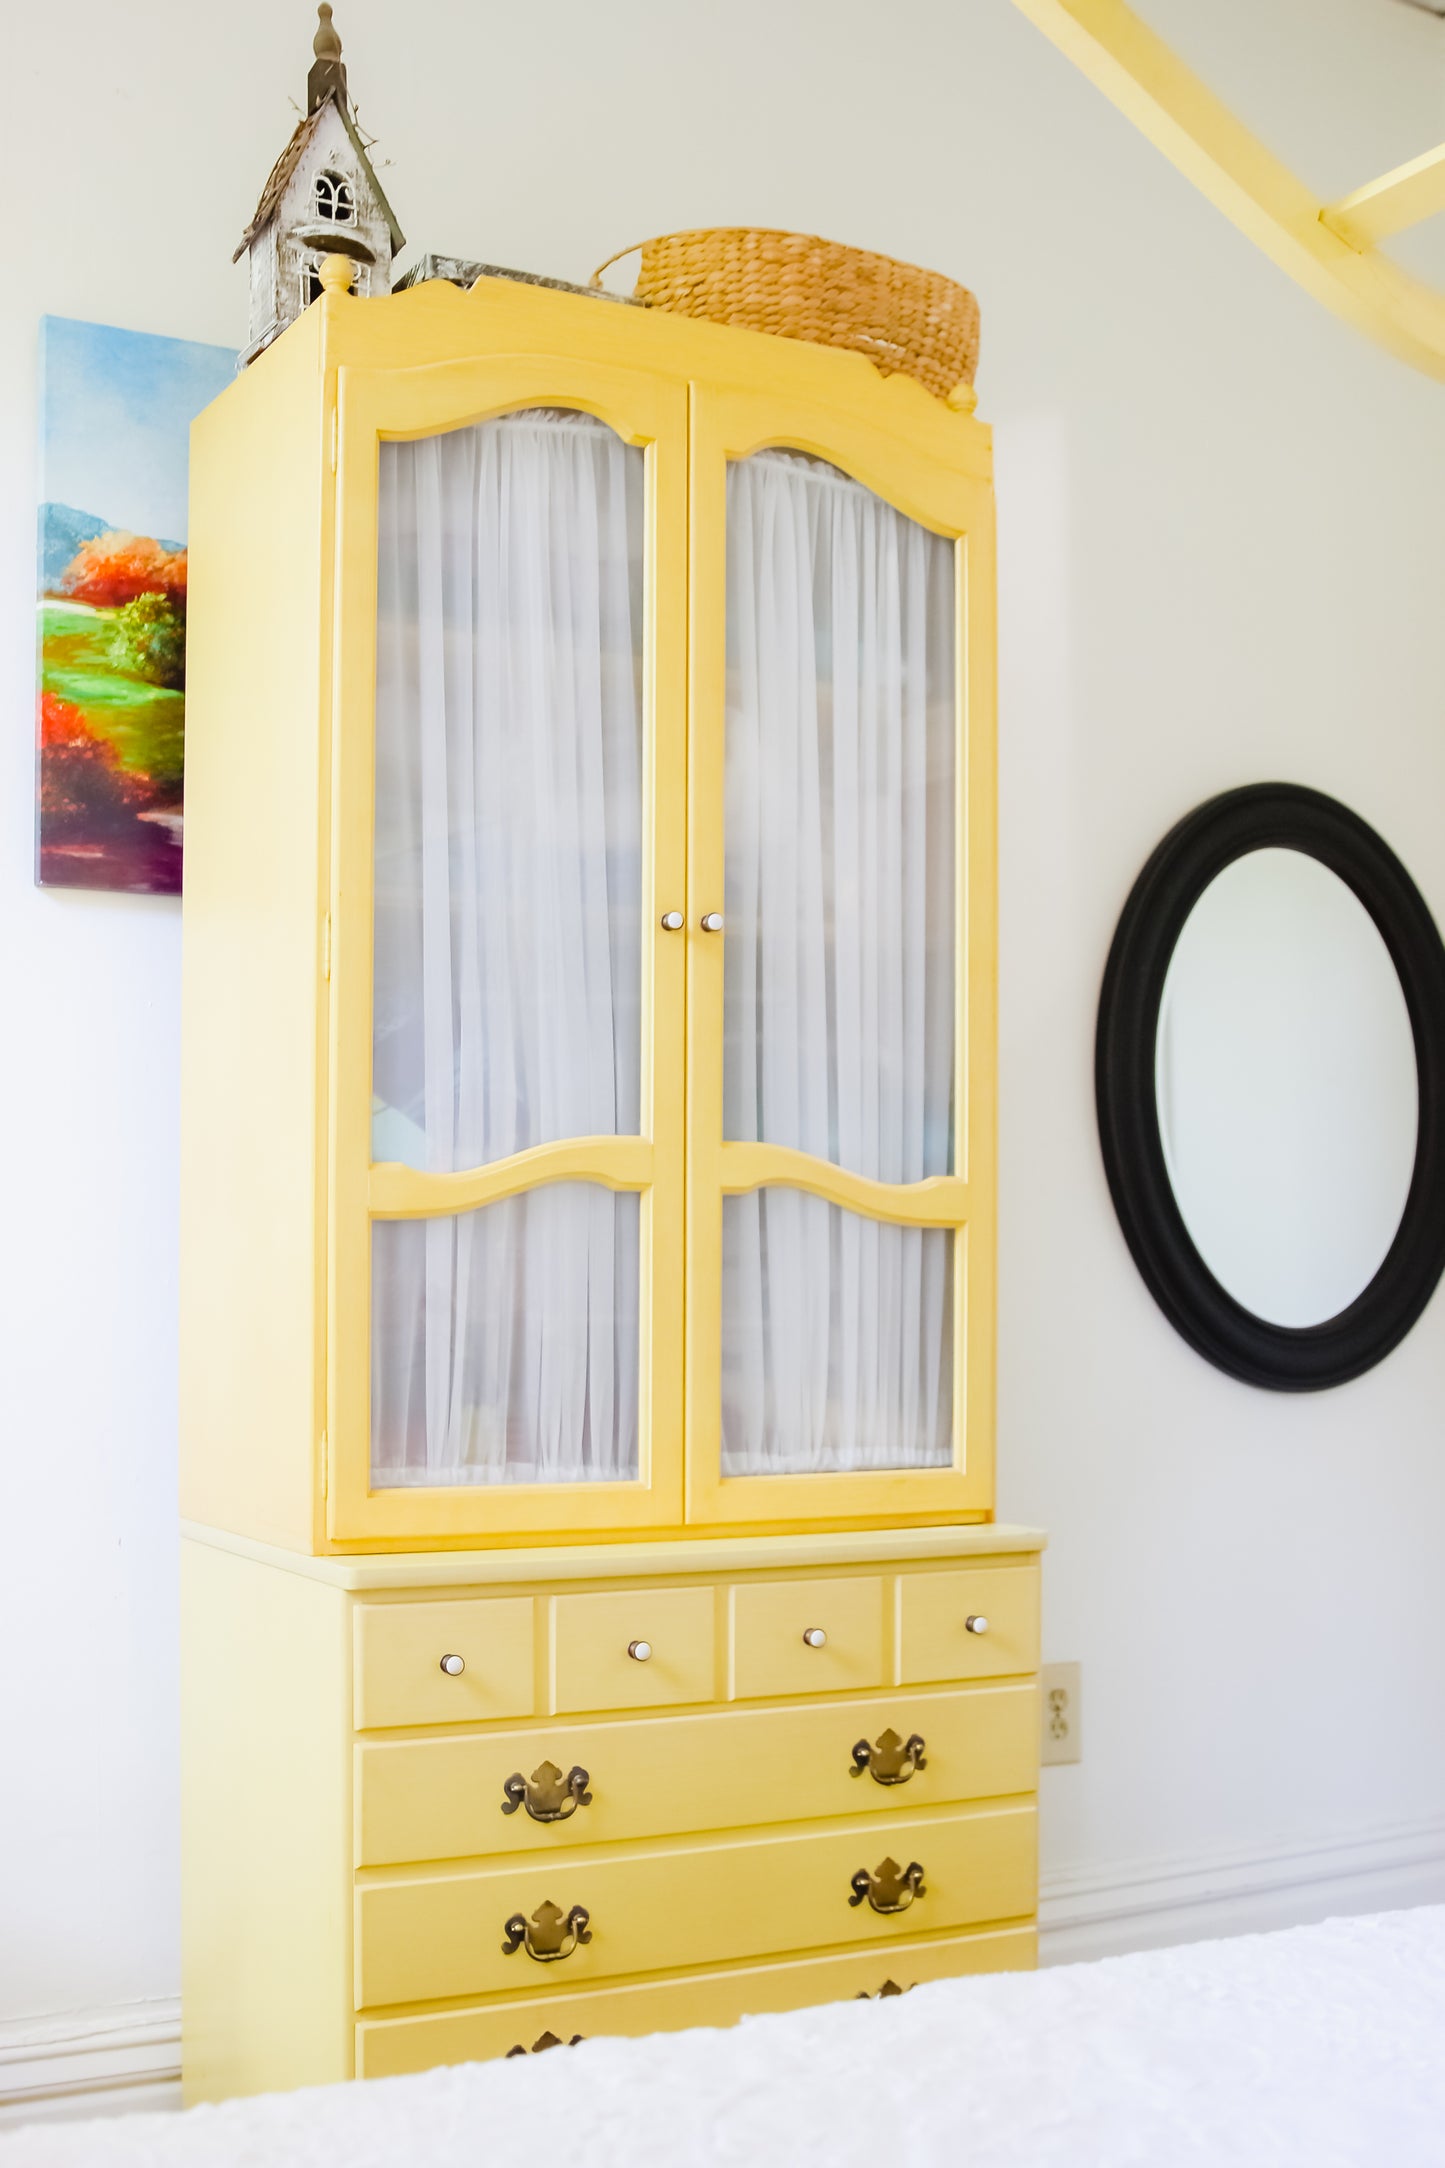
(770, 1620)
(420, 1938)
(399, 1652)
(648, 1648)
(396, 2047)
(420, 1799)
(934, 1638)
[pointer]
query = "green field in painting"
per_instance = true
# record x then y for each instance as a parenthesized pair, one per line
(145, 724)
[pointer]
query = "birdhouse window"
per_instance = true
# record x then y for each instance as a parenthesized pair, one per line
(334, 200)
(310, 281)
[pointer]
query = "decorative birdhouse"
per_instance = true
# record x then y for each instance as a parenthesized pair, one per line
(322, 199)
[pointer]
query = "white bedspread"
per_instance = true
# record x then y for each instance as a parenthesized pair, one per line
(1309, 2049)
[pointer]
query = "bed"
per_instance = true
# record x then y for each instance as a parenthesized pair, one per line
(1319, 2046)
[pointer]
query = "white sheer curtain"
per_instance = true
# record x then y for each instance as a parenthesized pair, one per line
(508, 944)
(839, 1006)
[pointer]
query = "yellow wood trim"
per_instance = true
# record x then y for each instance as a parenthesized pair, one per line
(644, 408)
(1169, 104)
(941, 1201)
(400, 1192)
(709, 1555)
(1396, 200)
(947, 496)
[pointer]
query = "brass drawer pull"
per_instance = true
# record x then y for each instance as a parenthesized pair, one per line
(550, 2040)
(890, 1888)
(549, 1934)
(892, 1760)
(546, 1794)
(889, 1987)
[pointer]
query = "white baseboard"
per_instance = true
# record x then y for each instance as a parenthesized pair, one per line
(115, 2061)
(91, 2062)
(1148, 1904)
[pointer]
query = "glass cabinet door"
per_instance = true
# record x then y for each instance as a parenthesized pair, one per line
(522, 1130)
(834, 1364)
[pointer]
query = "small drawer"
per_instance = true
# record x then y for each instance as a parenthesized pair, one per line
(666, 1776)
(394, 2047)
(607, 1911)
(648, 1649)
(772, 1648)
(936, 1641)
(399, 1652)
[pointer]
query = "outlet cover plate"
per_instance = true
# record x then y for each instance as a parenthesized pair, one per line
(1059, 1697)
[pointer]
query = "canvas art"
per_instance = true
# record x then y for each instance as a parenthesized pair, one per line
(115, 414)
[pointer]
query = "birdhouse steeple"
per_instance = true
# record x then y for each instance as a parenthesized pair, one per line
(328, 73)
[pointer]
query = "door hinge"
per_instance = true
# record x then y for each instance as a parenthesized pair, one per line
(326, 946)
(325, 1465)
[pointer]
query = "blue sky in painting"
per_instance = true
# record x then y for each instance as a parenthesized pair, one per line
(116, 409)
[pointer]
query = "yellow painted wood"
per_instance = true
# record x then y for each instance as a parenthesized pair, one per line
(933, 1637)
(806, 1550)
(944, 493)
(667, 1776)
(400, 1192)
(399, 1651)
(253, 1047)
(940, 1201)
(1181, 116)
(424, 1937)
(591, 1636)
(1388, 205)
(768, 1620)
(266, 1900)
(397, 2047)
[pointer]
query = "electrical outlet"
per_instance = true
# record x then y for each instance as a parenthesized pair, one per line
(1059, 1694)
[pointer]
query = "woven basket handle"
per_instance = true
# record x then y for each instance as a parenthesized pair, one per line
(616, 257)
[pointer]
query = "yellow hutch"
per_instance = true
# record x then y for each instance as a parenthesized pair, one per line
(595, 1618)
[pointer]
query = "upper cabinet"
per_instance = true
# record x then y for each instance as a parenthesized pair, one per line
(631, 1163)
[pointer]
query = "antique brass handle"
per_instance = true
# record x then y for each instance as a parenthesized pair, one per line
(546, 1794)
(889, 1988)
(550, 2039)
(890, 1888)
(892, 1760)
(549, 1935)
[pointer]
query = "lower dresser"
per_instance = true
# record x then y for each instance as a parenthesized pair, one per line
(444, 1808)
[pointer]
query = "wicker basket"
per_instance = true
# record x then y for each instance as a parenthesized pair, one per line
(906, 321)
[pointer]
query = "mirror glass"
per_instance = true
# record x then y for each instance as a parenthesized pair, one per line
(1287, 1089)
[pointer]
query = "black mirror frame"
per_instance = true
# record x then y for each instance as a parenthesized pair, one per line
(1283, 1358)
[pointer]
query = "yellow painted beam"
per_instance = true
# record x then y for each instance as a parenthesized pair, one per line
(398, 1192)
(1397, 200)
(1182, 117)
(940, 1200)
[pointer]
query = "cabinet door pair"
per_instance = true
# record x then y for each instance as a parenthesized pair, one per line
(663, 981)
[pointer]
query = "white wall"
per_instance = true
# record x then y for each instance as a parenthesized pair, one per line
(1223, 558)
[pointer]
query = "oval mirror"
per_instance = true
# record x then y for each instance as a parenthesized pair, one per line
(1269, 1068)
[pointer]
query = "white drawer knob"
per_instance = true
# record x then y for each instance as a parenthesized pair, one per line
(639, 1650)
(974, 1624)
(673, 921)
(711, 922)
(453, 1666)
(815, 1637)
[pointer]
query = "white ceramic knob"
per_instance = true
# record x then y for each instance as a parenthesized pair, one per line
(712, 922)
(672, 921)
(815, 1637)
(452, 1665)
(975, 1625)
(639, 1650)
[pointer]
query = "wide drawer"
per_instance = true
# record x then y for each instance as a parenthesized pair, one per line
(400, 1649)
(420, 1938)
(935, 1640)
(395, 2047)
(433, 1799)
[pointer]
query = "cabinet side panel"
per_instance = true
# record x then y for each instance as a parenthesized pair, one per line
(265, 1831)
(252, 1257)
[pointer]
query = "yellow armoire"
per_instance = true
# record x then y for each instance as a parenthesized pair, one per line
(594, 1615)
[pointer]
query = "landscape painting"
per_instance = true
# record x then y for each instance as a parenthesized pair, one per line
(115, 415)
